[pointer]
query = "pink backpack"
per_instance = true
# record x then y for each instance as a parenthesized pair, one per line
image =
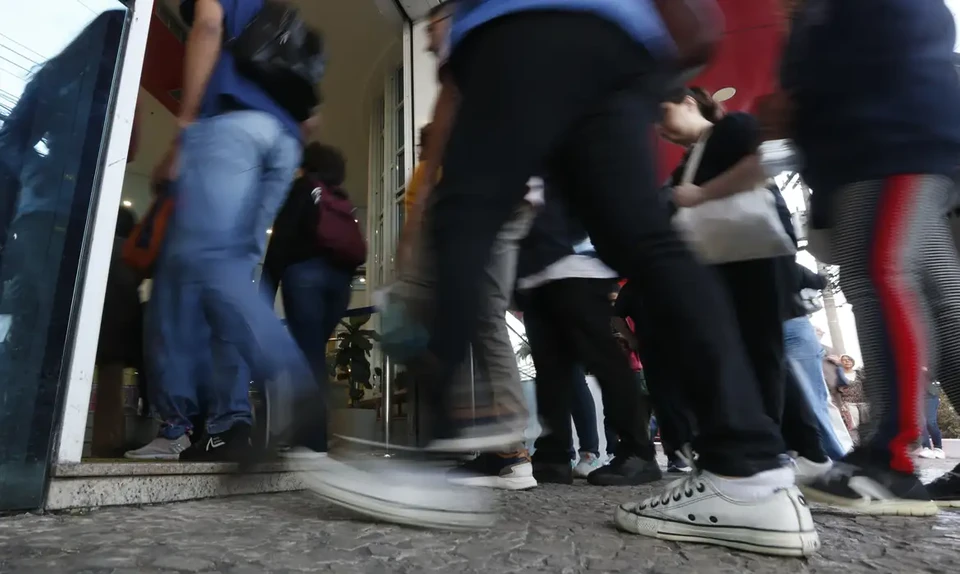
(338, 232)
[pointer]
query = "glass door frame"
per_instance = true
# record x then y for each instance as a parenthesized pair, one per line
(95, 261)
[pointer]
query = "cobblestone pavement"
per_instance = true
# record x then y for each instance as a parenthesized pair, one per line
(553, 529)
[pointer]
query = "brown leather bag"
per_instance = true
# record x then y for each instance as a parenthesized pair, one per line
(696, 27)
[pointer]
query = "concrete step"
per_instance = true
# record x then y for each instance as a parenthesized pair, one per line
(118, 482)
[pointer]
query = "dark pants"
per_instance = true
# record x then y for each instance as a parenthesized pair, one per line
(674, 418)
(315, 297)
(584, 413)
(533, 101)
(568, 324)
(759, 290)
(931, 435)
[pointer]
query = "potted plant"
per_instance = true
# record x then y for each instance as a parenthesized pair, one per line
(352, 362)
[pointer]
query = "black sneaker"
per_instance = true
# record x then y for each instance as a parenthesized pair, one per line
(871, 489)
(231, 446)
(552, 472)
(508, 471)
(945, 491)
(626, 471)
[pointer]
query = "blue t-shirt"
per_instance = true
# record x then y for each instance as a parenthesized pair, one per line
(228, 89)
(638, 18)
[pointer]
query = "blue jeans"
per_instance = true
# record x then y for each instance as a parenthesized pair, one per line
(804, 350)
(315, 297)
(584, 413)
(931, 430)
(205, 310)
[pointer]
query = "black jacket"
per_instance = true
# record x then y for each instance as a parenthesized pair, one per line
(294, 237)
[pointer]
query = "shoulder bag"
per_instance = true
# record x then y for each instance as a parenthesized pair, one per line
(740, 227)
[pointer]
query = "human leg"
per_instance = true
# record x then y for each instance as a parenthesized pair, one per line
(803, 352)
(236, 170)
(584, 412)
(887, 238)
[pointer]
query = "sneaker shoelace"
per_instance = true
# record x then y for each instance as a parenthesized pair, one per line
(682, 487)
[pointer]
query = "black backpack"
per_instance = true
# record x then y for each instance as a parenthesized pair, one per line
(281, 54)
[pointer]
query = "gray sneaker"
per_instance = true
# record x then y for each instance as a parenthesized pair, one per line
(160, 449)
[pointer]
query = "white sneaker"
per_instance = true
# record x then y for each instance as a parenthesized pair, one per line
(160, 449)
(588, 463)
(300, 453)
(926, 453)
(939, 454)
(403, 494)
(807, 471)
(691, 509)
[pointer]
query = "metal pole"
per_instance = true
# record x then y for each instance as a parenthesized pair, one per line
(387, 393)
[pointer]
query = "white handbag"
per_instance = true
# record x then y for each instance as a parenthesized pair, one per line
(739, 227)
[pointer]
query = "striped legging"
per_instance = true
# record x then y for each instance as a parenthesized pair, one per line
(900, 270)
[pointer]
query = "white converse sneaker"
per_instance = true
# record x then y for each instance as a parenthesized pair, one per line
(160, 449)
(807, 471)
(404, 494)
(692, 509)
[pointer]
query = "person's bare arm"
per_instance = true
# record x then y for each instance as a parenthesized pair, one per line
(202, 52)
(747, 174)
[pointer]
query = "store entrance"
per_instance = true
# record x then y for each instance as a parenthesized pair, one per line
(365, 47)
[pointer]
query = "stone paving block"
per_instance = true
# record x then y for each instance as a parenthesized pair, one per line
(552, 529)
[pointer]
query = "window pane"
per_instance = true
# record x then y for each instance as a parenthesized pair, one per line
(398, 128)
(57, 75)
(401, 179)
(398, 82)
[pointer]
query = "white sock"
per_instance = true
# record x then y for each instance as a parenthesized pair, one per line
(760, 485)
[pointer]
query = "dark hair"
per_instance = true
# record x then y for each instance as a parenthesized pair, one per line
(126, 221)
(325, 163)
(711, 110)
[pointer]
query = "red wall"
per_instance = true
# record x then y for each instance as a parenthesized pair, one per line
(746, 61)
(162, 64)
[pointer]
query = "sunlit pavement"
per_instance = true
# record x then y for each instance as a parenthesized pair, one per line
(553, 529)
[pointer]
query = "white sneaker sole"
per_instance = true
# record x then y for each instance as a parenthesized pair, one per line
(498, 482)
(489, 443)
(395, 511)
(486, 443)
(947, 503)
(579, 473)
(774, 543)
(896, 507)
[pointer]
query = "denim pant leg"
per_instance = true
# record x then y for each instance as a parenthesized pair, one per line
(584, 412)
(803, 356)
(236, 170)
(315, 297)
(177, 350)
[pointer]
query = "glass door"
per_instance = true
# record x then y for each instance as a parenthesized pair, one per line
(59, 71)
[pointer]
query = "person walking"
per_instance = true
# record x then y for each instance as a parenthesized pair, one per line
(231, 164)
(882, 163)
(532, 101)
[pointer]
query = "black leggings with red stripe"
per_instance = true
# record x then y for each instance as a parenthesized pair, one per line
(900, 270)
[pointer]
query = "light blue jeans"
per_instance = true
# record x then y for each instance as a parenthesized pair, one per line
(805, 357)
(206, 320)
